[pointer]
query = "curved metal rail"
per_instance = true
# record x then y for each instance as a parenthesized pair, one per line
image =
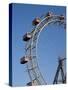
(31, 49)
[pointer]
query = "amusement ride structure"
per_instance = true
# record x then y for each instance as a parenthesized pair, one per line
(30, 58)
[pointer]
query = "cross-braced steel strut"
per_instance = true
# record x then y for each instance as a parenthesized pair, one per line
(60, 69)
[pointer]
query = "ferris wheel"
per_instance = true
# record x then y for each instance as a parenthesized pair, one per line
(31, 39)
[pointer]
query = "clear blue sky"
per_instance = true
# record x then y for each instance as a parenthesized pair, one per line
(51, 42)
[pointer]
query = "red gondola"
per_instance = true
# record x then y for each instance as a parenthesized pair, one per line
(61, 17)
(24, 60)
(29, 84)
(27, 37)
(36, 21)
(49, 14)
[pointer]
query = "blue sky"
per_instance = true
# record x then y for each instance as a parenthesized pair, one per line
(51, 41)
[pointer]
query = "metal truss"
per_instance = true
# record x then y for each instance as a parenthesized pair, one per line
(34, 73)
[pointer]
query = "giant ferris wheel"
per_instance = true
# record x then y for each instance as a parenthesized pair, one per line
(31, 39)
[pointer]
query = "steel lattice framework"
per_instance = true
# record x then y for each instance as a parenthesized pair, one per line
(60, 69)
(34, 73)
